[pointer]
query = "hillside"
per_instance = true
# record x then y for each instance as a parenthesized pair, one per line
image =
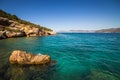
(12, 26)
(110, 30)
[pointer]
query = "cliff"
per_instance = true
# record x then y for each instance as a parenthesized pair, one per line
(12, 26)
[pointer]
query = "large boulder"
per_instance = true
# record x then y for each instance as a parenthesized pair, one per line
(22, 57)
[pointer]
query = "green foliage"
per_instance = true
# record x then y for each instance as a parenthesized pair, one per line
(15, 18)
(9, 16)
(4, 14)
(47, 29)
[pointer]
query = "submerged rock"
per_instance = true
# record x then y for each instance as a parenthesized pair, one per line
(102, 75)
(28, 72)
(22, 57)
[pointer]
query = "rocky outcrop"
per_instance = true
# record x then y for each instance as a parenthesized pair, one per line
(22, 57)
(2, 35)
(51, 33)
(10, 28)
(14, 34)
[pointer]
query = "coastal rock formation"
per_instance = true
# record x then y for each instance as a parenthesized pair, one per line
(2, 35)
(14, 34)
(51, 33)
(22, 57)
(10, 28)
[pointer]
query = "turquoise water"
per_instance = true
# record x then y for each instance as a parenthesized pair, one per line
(83, 56)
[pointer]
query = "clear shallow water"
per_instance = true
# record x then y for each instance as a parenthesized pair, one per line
(79, 57)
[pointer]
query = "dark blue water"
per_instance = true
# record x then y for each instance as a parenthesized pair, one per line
(83, 56)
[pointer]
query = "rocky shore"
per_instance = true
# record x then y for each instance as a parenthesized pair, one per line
(21, 65)
(10, 29)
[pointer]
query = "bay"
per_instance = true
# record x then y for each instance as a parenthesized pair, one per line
(79, 56)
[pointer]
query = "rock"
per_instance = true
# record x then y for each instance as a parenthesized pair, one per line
(15, 34)
(46, 33)
(3, 35)
(51, 33)
(22, 57)
(31, 31)
(4, 21)
(26, 72)
(101, 75)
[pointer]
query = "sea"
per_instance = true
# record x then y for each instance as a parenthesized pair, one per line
(78, 56)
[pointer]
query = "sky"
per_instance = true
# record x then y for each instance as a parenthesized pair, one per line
(64, 15)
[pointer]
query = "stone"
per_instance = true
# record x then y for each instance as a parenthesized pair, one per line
(4, 21)
(51, 32)
(2, 35)
(22, 57)
(101, 75)
(15, 34)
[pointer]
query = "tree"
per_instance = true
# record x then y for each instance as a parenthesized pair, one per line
(14, 17)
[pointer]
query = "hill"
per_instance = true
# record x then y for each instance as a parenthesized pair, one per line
(12, 26)
(110, 30)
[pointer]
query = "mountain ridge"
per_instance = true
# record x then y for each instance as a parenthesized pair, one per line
(109, 30)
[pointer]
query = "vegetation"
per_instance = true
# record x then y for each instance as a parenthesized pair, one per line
(15, 18)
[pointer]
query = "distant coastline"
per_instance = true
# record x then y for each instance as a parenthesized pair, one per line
(109, 30)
